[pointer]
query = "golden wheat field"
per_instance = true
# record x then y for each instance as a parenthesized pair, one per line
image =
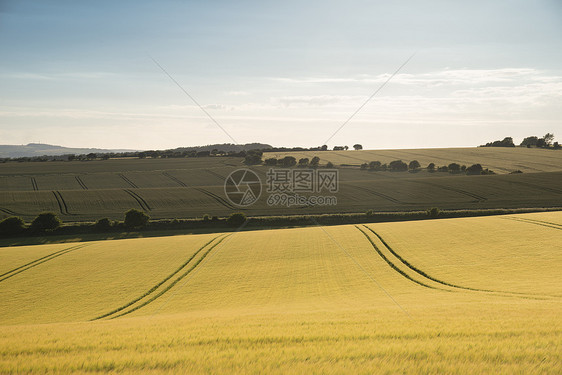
(469, 295)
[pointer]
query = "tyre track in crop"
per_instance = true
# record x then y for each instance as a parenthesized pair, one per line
(175, 179)
(39, 261)
(218, 198)
(216, 174)
(7, 211)
(149, 295)
(392, 265)
(140, 200)
(536, 222)
(81, 183)
(454, 286)
(381, 195)
(479, 198)
(61, 202)
(126, 179)
(538, 187)
(34, 184)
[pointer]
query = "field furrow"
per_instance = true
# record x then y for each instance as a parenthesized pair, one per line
(166, 288)
(39, 261)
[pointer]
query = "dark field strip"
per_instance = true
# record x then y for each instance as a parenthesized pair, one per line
(39, 261)
(175, 179)
(151, 290)
(126, 179)
(140, 200)
(81, 183)
(392, 265)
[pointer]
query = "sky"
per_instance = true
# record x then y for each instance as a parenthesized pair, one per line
(290, 73)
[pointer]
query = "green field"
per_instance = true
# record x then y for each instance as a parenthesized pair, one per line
(468, 295)
(193, 187)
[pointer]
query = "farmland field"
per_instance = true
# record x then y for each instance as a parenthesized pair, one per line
(192, 187)
(435, 296)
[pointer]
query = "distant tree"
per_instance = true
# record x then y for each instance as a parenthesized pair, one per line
(414, 165)
(314, 162)
(357, 146)
(338, 148)
(236, 219)
(463, 168)
(433, 212)
(324, 148)
(252, 159)
(374, 165)
(12, 225)
(398, 166)
(288, 161)
(454, 168)
(548, 138)
(541, 143)
(346, 148)
(431, 167)
(443, 169)
(103, 224)
(270, 161)
(329, 165)
(364, 166)
(556, 145)
(46, 221)
(136, 219)
(91, 156)
(529, 141)
(303, 162)
(506, 142)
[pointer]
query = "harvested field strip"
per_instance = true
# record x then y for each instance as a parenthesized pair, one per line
(39, 261)
(178, 279)
(34, 184)
(61, 203)
(536, 222)
(392, 265)
(155, 287)
(140, 200)
(81, 183)
(218, 198)
(175, 179)
(126, 179)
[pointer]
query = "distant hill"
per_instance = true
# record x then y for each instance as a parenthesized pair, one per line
(40, 149)
(226, 147)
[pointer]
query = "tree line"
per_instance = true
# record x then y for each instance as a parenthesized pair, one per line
(533, 141)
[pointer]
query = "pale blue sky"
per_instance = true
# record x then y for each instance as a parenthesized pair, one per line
(285, 73)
